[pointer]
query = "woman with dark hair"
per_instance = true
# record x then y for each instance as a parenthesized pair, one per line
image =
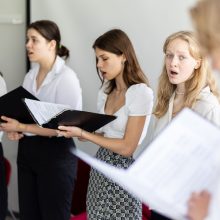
(46, 166)
(3, 185)
(125, 93)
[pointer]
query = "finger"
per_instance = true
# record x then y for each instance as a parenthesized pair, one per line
(6, 118)
(64, 128)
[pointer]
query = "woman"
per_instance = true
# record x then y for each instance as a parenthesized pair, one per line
(3, 186)
(206, 17)
(124, 93)
(46, 167)
(185, 81)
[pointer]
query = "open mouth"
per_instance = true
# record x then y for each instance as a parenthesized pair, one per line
(173, 73)
(103, 73)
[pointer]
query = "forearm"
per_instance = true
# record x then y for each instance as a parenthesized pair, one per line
(35, 129)
(119, 146)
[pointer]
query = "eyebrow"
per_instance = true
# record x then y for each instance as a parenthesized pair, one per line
(181, 52)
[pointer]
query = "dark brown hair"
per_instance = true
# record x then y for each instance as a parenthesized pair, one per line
(116, 41)
(50, 31)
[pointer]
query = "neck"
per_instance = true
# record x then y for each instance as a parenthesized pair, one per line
(47, 65)
(180, 89)
(120, 84)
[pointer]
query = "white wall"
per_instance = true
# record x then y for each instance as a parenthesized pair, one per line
(12, 65)
(147, 22)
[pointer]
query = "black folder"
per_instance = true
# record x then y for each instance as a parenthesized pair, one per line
(11, 105)
(88, 121)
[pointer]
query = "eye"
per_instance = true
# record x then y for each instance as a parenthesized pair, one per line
(182, 57)
(105, 58)
(169, 56)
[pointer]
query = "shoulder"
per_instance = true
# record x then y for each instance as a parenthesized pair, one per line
(140, 90)
(207, 101)
(208, 106)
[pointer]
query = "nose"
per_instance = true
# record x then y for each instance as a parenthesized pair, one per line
(99, 64)
(174, 61)
(27, 44)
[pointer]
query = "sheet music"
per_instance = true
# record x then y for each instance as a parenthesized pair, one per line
(181, 160)
(44, 111)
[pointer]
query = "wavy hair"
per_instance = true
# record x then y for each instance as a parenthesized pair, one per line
(201, 77)
(116, 41)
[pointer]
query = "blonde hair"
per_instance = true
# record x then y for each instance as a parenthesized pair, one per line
(206, 18)
(201, 77)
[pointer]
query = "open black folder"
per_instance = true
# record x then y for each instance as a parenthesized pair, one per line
(51, 115)
(11, 105)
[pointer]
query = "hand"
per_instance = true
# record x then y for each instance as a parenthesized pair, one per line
(198, 205)
(68, 131)
(14, 136)
(10, 124)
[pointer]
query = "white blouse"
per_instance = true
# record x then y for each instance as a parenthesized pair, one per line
(60, 86)
(207, 106)
(3, 90)
(138, 102)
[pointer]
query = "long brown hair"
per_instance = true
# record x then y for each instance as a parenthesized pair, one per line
(201, 77)
(50, 31)
(116, 41)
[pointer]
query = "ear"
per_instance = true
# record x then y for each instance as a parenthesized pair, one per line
(53, 44)
(198, 64)
(123, 58)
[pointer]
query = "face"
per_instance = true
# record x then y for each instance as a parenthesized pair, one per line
(215, 58)
(38, 48)
(180, 65)
(109, 64)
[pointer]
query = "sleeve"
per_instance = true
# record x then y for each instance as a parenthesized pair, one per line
(69, 91)
(139, 100)
(3, 88)
(214, 115)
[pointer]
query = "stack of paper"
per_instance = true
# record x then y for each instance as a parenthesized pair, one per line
(184, 158)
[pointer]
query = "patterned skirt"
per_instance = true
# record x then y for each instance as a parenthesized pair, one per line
(107, 200)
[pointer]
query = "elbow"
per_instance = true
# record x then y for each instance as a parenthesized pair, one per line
(128, 151)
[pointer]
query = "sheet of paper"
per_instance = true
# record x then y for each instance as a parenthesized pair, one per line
(44, 111)
(181, 160)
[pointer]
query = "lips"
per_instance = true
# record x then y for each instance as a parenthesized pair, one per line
(103, 73)
(173, 73)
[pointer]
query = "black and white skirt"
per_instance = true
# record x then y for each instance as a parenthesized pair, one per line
(107, 200)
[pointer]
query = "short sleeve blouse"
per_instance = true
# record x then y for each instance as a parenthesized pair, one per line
(138, 102)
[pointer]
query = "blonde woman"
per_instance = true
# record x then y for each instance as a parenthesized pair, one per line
(185, 81)
(206, 17)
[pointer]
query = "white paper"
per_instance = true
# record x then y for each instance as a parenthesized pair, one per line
(181, 160)
(44, 111)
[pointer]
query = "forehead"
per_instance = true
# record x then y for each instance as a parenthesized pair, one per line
(33, 33)
(178, 45)
(99, 52)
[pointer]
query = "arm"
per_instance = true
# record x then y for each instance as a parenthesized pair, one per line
(198, 205)
(12, 125)
(125, 146)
